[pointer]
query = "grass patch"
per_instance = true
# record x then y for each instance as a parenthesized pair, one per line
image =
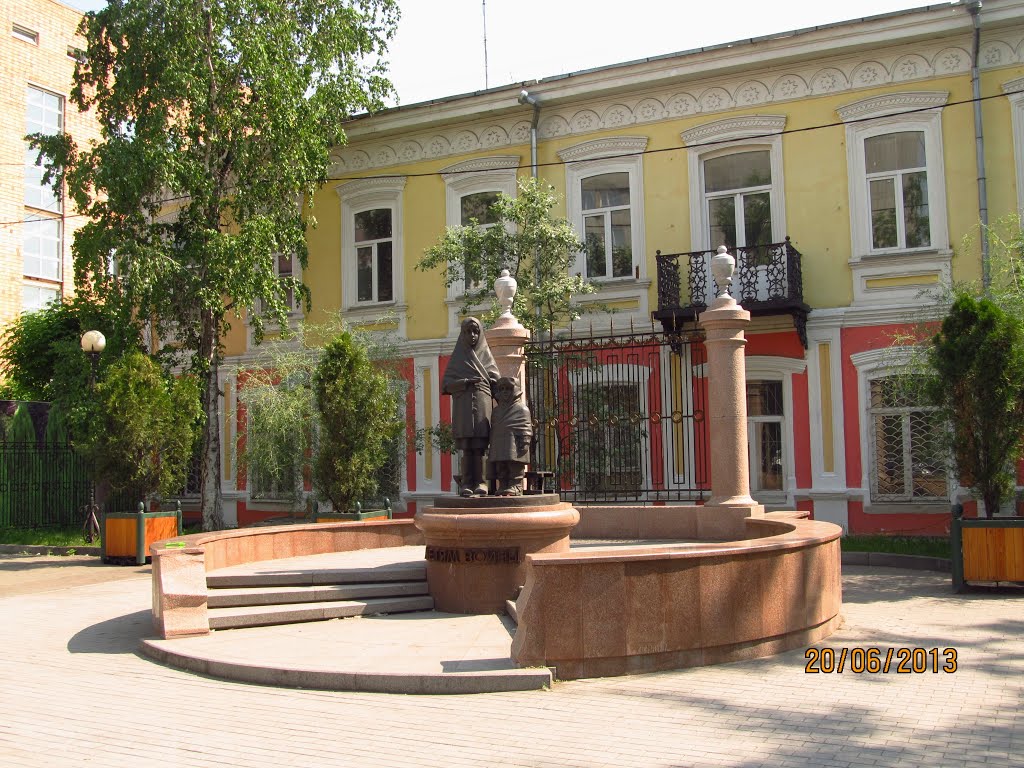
(927, 546)
(45, 537)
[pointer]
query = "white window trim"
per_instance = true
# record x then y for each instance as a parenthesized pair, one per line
(770, 368)
(871, 365)
(725, 137)
(615, 154)
(23, 33)
(1015, 96)
(58, 280)
(356, 197)
(884, 114)
(56, 288)
(483, 174)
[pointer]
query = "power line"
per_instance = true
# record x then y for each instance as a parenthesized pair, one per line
(555, 163)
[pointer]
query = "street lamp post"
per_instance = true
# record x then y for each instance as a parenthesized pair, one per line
(93, 343)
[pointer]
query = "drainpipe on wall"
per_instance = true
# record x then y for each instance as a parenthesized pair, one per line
(974, 8)
(525, 97)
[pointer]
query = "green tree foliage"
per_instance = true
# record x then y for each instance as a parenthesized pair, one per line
(41, 356)
(358, 405)
(978, 363)
(217, 120)
(143, 428)
(281, 410)
(21, 429)
(538, 249)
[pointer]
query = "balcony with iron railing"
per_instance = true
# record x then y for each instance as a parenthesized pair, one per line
(768, 281)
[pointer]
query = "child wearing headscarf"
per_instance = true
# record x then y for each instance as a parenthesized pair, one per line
(511, 430)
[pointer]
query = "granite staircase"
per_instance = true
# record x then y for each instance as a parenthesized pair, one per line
(273, 595)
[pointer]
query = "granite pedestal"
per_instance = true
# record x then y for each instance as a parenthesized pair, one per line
(477, 547)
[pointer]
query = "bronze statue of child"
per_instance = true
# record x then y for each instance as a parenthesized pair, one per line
(511, 431)
(470, 378)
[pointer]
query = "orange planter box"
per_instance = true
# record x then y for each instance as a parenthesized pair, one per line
(987, 550)
(120, 532)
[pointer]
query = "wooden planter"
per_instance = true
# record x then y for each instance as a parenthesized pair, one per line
(359, 514)
(987, 550)
(128, 535)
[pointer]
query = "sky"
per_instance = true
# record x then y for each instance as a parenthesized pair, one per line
(439, 49)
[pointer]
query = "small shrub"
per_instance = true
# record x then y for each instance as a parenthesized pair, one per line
(357, 403)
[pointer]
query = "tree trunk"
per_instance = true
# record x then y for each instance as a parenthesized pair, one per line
(213, 514)
(991, 499)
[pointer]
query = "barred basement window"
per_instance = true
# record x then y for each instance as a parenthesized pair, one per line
(907, 454)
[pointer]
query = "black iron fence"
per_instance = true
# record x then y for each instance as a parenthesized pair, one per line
(620, 418)
(41, 486)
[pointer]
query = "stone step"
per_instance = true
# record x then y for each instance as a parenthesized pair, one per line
(231, 597)
(409, 571)
(259, 616)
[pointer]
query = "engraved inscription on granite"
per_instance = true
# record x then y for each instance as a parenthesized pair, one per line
(483, 555)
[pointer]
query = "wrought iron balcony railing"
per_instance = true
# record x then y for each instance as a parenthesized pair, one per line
(768, 281)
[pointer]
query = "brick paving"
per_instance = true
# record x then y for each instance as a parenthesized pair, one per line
(74, 692)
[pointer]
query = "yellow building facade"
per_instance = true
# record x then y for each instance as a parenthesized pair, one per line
(853, 146)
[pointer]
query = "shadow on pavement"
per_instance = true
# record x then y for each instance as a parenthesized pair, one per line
(118, 635)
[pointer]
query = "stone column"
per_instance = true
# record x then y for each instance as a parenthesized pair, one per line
(507, 336)
(723, 323)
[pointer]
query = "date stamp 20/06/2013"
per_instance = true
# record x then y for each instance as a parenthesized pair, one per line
(903, 661)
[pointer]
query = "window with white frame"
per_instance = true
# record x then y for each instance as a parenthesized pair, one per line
(907, 454)
(765, 423)
(286, 266)
(41, 247)
(896, 174)
(374, 244)
(1014, 90)
(471, 188)
(770, 431)
(24, 34)
(738, 193)
(607, 229)
(736, 182)
(35, 297)
(604, 199)
(371, 241)
(44, 113)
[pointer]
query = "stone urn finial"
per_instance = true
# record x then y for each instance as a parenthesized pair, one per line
(505, 288)
(722, 267)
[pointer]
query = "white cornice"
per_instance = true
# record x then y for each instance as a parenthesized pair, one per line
(886, 357)
(1014, 86)
(892, 104)
(377, 184)
(609, 146)
(479, 165)
(729, 128)
(487, 128)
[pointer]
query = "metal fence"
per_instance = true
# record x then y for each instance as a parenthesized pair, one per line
(41, 486)
(620, 418)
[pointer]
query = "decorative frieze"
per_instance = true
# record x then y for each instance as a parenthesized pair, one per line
(708, 97)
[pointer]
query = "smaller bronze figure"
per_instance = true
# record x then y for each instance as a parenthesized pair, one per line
(470, 377)
(511, 431)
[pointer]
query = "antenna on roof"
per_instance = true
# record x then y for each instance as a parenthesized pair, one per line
(486, 85)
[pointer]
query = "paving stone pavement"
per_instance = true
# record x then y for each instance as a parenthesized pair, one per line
(73, 691)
